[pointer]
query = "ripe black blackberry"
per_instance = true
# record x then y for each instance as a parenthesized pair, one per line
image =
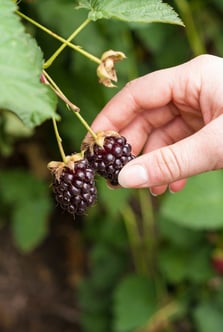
(73, 184)
(108, 154)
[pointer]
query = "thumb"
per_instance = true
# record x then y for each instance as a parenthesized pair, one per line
(196, 154)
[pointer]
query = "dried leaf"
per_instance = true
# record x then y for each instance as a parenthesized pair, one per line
(106, 70)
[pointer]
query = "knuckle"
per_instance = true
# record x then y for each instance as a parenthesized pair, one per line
(167, 166)
(129, 87)
(130, 90)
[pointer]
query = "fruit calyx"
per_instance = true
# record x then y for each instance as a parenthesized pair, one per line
(56, 167)
(89, 142)
(107, 154)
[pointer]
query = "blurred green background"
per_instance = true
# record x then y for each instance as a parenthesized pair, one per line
(134, 262)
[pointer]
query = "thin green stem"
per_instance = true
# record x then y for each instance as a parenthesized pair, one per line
(193, 36)
(61, 39)
(59, 140)
(69, 104)
(148, 223)
(162, 316)
(86, 125)
(49, 62)
(130, 221)
(150, 240)
(58, 92)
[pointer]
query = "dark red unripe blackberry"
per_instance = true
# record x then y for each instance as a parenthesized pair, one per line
(217, 261)
(73, 185)
(108, 155)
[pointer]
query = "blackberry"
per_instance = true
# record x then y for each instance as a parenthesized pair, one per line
(73, 184)
(108, 154)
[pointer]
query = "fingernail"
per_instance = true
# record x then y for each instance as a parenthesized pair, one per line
(171, 191)
(152, 193)
(133, 176)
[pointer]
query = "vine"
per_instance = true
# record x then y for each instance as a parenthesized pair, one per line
(105, 70)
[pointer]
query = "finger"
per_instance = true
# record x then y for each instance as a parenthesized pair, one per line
(174, 131)
(177, 185)
(158, 190)
(173, 187)
(151, 91)
(198, 153)
(170, 133)
(145, 123)
(137, 96)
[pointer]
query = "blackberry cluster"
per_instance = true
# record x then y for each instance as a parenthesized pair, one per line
(73, 180)
(75, 188)
(108, 160)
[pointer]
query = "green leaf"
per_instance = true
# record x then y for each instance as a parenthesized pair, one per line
(29, 225)
(20, 67)
(107, 266)
(208, 318)
(14, 127)
(95, 322)
(91, 299)
(113, 202)
(182, 237)
(28, 198)
(178, 265)
(199, 205)
(134, 303)
(143, 11)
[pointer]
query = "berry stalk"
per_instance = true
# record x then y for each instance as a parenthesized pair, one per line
(59, 140)
(45, 78)
(61, 39)
(48, 80)
(53, 57)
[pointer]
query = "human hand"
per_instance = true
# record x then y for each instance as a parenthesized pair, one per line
(174, 118)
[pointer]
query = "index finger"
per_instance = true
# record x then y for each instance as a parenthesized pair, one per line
(147, 92)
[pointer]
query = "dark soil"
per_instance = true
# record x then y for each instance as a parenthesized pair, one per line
(38, 291)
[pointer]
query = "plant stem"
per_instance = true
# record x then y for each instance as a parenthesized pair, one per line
(59, 140)
(148, 225)
(86, 125)
(130, 221)
(58, 92)
(162, 316)
(61, 39)
(49, 62)
(193, 36)
(68, 103)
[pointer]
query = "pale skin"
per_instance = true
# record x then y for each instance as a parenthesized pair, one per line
(173, 118)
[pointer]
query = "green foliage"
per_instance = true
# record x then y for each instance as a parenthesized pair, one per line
(134, 303)
(208, 317)
(198, 206)
(28, 200)
(20, 66)
(126, 10)
(114, 201)
(11, 129)
(184, 254)
(177, 240)
(108, 262)
(180, 236)
(179, 265)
